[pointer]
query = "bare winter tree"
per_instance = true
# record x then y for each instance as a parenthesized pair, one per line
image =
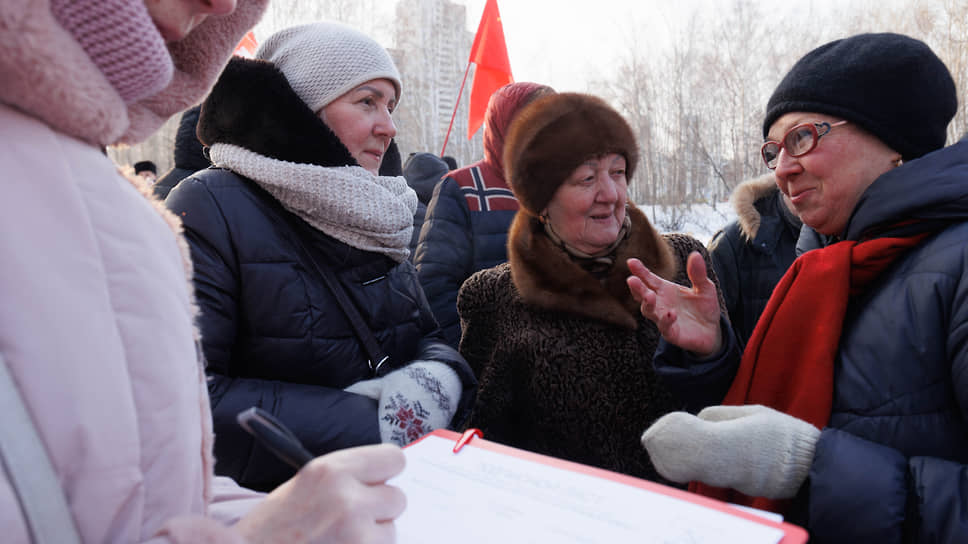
(696, 104)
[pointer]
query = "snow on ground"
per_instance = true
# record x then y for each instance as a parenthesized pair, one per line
(701, 221)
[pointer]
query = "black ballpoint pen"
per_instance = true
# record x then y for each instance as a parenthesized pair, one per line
(272, 434)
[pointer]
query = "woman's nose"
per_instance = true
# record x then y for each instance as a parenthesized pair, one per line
(385, 125)
(786, 164)
(607, 189)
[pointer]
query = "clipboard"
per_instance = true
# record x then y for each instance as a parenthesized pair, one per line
(490, 492)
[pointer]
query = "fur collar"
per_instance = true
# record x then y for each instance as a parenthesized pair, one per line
(744, 199)
(252, 106)
(545, 275)
(49, 76)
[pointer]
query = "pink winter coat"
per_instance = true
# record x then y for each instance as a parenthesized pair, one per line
(95, 309)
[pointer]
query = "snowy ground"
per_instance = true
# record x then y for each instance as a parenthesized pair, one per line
(701, 221)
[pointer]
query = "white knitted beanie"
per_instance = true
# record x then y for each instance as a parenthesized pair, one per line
(324, 61)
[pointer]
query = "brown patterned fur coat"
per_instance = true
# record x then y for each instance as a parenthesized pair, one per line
(565, 361)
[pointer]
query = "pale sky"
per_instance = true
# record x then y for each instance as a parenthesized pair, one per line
(569, 44)
(566, 44)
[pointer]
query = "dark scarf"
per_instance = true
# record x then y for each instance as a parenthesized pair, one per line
(597, 265)
(792, 371)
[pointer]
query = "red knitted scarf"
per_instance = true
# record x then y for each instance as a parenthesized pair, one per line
(788, 364)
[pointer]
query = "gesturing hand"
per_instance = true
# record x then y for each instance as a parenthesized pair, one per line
(687, 317)
(754, 449)
(339, 498)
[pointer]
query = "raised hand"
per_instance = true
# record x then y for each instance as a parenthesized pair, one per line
(687, 317)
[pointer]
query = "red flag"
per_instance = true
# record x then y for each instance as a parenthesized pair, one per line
(247, 46)
(493, 69)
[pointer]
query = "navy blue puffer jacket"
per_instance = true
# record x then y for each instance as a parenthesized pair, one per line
(467, 221)
(891, 465)
(274, 335)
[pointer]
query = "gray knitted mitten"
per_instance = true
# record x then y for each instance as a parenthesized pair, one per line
(755, 450)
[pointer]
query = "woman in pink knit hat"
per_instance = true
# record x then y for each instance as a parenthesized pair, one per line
(96, 333)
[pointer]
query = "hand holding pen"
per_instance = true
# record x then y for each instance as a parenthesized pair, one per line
(341, 497)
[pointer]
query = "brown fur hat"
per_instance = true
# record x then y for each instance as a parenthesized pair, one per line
(555, 134)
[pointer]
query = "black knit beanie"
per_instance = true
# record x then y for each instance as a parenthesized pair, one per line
(142, 166)
(891, 85)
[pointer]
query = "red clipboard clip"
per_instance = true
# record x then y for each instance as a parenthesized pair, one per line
(468, 435)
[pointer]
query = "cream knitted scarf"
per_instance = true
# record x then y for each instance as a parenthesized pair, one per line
(368, 212)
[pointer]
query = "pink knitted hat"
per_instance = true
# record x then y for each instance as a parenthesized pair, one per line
(121, 39)
(48, 74)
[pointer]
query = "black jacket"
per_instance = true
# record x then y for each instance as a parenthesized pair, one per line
(753, 252)
(890, 465)
(274, 335)
(423, 171)
(189, 154)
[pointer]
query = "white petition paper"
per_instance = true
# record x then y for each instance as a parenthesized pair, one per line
(479, 496)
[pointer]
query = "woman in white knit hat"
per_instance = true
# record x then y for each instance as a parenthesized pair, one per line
(309, 305)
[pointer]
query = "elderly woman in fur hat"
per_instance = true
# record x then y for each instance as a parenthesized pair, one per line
(309, 306)
(848, 408)
(554, 335)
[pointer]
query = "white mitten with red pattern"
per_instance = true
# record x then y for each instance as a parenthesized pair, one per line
(413, 400)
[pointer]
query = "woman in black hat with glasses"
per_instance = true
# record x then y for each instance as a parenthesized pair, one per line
(847, 409)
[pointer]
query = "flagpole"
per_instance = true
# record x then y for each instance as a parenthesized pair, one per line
(457, 105)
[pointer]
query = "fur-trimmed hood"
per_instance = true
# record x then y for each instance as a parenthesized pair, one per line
(253, 106)
(744, 199)
(546, 276)
(47, 74)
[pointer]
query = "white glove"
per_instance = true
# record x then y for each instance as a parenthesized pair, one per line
(753, 449)
(413, 400)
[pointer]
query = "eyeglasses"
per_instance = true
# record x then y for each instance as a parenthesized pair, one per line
(798, 141)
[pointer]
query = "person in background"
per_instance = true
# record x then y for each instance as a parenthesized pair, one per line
(847, 410)
(300, 252)
(451, 162)
(96, 324)
(752, 253)
(423, 171)
(146, 170)
(189, 154)
(466, 226)
(554, 335)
